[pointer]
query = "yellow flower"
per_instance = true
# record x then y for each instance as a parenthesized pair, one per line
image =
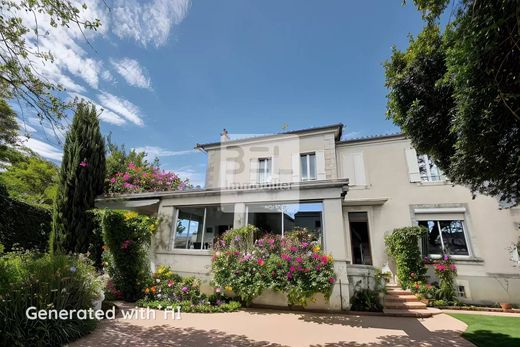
(130, 214)
(316, 249)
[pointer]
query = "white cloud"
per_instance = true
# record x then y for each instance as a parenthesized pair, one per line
(153, 151)
(197, 178)
(104, 114)
(132, 72)
(42, 148)
(121, 107)
(107, 76)
(150, 22)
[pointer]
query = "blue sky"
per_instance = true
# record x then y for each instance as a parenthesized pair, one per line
(171, 73)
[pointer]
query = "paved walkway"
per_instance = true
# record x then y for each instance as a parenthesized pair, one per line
(277, 328)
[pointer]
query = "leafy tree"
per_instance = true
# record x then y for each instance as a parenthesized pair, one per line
(456, 93)
(32, 180)
(81, 180)
(8, 129)
(118, 159)
(19, 76)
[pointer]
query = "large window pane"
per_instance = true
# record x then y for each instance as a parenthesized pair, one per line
(445, 236)
(303, 215)
(433, 243)
(453, 237)
(274, 219)
(188, 233)
(267, 218)
(219, 219)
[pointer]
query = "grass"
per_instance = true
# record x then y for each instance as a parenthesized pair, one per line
(493, 331)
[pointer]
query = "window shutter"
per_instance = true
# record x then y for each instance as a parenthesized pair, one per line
(296, 167)
(253, 171)
(320, 165)
(275, 176)
(359, 169)
(413, 166)
(354, 169)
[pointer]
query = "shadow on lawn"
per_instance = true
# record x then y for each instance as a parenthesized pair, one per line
(489, 338)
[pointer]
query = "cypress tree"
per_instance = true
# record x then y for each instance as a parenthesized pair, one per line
(81, 179)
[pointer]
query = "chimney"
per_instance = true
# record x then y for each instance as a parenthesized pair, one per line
(224, 136)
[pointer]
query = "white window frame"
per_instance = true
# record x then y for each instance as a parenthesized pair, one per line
(307, 157)
(466, 238)
(265, 175)
(429, 177)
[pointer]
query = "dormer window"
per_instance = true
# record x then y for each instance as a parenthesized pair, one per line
(264, 170)
(308, 166)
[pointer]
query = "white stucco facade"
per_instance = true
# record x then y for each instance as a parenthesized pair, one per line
(372, 185)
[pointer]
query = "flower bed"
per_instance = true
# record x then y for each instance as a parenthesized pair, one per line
(166, 289)
(294, 265)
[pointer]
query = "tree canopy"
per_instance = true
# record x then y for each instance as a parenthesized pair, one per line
(455, 92)
(32, 180)
(20, 78)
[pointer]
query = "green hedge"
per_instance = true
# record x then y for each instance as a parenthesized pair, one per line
(23, 225)
(127, 238)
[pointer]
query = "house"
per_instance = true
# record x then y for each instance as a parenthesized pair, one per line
(351, 193)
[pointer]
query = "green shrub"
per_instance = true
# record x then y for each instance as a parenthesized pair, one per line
(366, 300)
(45, 282)
(127, 237)
(403, 245)
(289, 265)
(23, 225)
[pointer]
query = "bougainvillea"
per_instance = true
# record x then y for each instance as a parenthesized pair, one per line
(290, 265)
(144, 179)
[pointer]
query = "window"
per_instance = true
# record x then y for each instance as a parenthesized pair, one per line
(284, 218)
(445, 236)
(461, 291)
(308, 166)
(428, 169)
(198, 227)
(264, 170)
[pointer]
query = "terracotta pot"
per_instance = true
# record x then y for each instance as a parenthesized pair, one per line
(506, 306)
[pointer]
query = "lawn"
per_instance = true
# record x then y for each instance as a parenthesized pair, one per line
(491, 330)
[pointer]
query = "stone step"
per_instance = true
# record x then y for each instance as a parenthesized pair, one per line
(400, 298)
(398, 292)
(404, 305)
(424, 313)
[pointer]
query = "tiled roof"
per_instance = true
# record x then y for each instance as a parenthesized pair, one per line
(339, 126)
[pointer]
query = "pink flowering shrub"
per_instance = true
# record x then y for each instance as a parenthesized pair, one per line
(144, 179)
(446, 272)
(293, 265)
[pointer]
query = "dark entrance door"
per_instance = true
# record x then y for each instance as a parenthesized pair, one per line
(359, 236)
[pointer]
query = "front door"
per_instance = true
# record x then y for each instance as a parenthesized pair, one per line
(359, 236)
